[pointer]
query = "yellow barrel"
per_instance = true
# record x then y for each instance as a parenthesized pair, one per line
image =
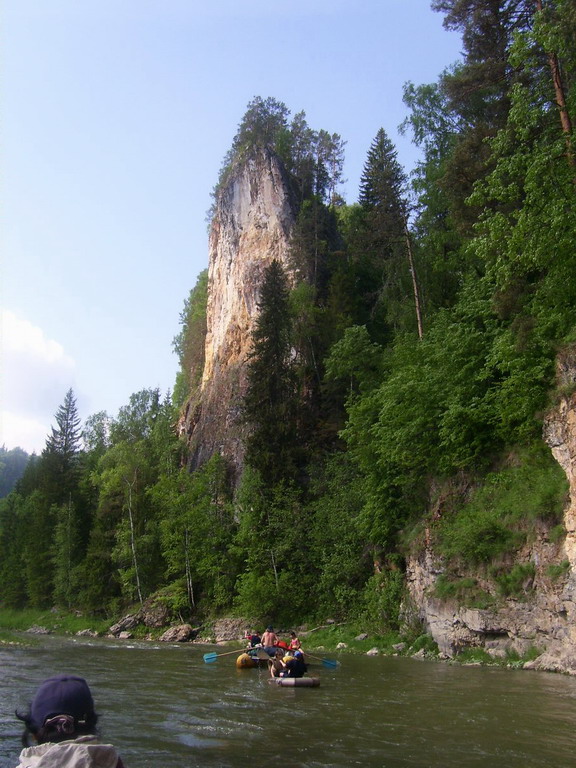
(245, 661)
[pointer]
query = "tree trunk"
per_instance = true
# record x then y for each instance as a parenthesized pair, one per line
(189, 584)
(133, 539)
(414, 281)
(560, 95)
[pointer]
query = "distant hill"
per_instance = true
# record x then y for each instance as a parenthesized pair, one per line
(12, 465)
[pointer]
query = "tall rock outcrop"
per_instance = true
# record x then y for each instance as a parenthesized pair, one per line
(252, 225)
(546, 619)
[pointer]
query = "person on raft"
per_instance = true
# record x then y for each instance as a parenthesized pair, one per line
(294, 644)
(254, 639)
(276, 663)
(270, 640)
(294, 665)
(60, 728)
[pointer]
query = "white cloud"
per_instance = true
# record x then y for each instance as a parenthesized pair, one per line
(20, 432)
(36, 373)
(20, 336)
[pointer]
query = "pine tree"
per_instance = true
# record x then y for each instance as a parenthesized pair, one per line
(478, 90)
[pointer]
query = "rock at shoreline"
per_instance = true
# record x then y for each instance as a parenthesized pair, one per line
(180, 634)
(36, 630)
(228, 630)
(125, 625)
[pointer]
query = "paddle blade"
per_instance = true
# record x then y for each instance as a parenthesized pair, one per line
(331, 663)
(209, 658)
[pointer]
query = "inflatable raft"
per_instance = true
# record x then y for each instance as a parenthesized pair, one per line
(249, 661)
(296, 682)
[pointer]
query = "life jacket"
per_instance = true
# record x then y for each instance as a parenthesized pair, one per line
(84, 752)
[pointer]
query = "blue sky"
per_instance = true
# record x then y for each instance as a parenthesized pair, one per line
(116, 117)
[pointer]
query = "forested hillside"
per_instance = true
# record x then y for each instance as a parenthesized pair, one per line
(414, 359)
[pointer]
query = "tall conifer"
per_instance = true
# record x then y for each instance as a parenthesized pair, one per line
(270, 398)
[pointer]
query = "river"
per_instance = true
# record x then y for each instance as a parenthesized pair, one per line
(162, 706)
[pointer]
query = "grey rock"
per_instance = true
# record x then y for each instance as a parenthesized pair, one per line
(180, 634)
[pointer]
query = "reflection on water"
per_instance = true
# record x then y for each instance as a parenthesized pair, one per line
(163, 706)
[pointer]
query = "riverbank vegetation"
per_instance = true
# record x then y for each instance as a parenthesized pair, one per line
(396, 395)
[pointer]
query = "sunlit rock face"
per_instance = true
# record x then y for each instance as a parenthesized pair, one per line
(546, 618)
(252, 225)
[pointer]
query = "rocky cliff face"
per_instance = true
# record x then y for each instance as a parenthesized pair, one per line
(547, 619)
(252, 226)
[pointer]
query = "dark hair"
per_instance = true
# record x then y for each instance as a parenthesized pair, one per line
(55, 729)
(61, 709)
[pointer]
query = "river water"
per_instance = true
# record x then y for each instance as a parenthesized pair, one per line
(162, 706)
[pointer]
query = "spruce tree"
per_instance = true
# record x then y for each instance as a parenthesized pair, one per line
(60, 457)
(65, 438)
(382, 184)
(386, 244)
(269, 403)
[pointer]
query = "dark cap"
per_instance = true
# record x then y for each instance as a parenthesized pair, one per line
(62, 695)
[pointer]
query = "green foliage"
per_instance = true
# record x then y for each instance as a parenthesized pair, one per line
(54, 620)
(338, 555)
(67, 555)
(556, 571)
(14, 534)
(557, 533)
(189, 342)
(516, 581)
(381, 599)
(270, 400)
(317, 523)
(493, 522)
(273, 537)
(465, 591)
(426, 643)
(313, 159)
(474, 655)
(61, 456)
(356, 360)
(196, 532)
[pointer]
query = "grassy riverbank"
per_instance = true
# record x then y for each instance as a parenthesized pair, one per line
(15, 622)
(17, 627)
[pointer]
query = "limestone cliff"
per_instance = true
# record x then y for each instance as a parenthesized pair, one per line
(547, 618)
(252, 225)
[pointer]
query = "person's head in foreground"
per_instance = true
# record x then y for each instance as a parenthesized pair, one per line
(60, 727)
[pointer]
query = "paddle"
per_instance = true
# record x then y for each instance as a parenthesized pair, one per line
(331, 663)
(211, 657)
